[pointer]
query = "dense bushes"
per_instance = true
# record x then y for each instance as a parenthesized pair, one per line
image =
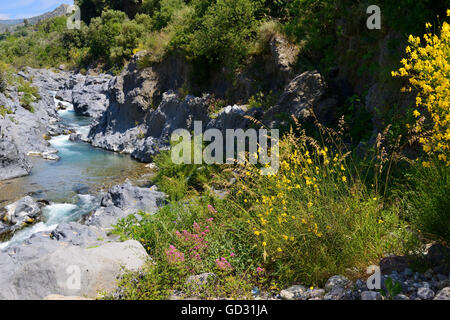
(222, 34)
(113, 37)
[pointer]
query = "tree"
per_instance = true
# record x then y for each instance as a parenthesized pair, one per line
(93, 8)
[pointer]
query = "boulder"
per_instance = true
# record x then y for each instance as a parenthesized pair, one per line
(305, 93)
(444, 294)
(67, 270)
(91, 96)
(297, 292)
(18, 215)
(123, 200)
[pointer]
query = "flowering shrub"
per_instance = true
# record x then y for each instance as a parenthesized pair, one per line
(314, 218)
(174, 256)
(427, 67)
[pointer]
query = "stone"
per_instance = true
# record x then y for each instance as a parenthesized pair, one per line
(371, 295)
(201, 280)
(444, 294)
(18, 215)
(297, 292)
(315, 293)
(132, 198)
(91, 96)
(44, 267)
(425, 293)
(339, 293)
(336, 281)
(305, 92)
(408, 272)
(394, 263)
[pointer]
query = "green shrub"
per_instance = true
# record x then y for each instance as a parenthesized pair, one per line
(426, 199)
(221, 33)
(30, 94)
(5, 110)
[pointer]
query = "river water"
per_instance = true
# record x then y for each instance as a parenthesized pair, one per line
(72, 184)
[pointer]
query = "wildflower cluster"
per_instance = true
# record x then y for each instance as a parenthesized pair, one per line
(427, 67)
(192, 244)
(173, 255)
(313, 206)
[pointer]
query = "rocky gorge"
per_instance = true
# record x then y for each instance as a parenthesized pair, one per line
(135, 113)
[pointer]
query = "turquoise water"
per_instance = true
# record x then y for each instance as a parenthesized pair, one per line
(70, 183)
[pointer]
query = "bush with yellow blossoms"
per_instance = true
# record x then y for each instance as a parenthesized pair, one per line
(314, 217)
(427, 67)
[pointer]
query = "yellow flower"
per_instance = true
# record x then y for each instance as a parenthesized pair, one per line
(257, 233)
(344, 178)
(264, 244)
(426, 164)
(279, 250)
(416, 113)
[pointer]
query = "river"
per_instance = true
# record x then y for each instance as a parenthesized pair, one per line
(74, 183)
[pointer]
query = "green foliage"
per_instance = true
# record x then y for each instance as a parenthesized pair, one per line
(177, 180)
(426, 199)
(5, 110)
(30, 94)
(197, 235)
(220, 33)
(93, 8)
(113, 37)
(37, 46)
(392, 288)
(260, 100)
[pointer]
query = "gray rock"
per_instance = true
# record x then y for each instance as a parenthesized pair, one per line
(91, 96)
(297, 292)
(371, 295)
(439, 256)
(123, 200)
(315, 293)
(336, 281)
(305, 92)
(131, 198)
(425, 293)
(18, 215)
(201, 280)
(78, 235)
(394, 263)
(444, 294)
(57, 271)
(13, 162)
(408, 272)
(339, 293)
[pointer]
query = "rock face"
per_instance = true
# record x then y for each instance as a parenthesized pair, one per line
(18, 215)
(307, 91)
(90, 97)
(131, 128)
(22, 132)
(13, 162)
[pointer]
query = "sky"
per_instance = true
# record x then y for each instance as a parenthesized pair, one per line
(20, 9)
